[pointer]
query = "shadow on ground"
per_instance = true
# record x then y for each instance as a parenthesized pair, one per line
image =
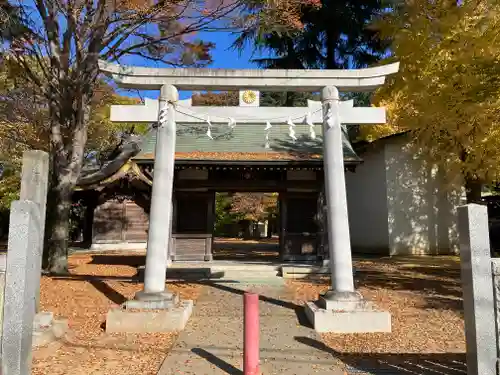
(108, 291)
(99, 283)
(116, 260)
(216, 361)
(441, 288)
(438, 283)
(395, 364)
(298, 309)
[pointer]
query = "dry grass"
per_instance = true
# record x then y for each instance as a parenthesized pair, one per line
(98, 282)
(424, 298)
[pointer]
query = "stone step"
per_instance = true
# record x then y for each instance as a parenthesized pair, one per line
(307, 271)
(301, 272)
(227, 273)
(190, 274)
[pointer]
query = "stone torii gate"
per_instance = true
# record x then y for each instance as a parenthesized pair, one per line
(342, 296)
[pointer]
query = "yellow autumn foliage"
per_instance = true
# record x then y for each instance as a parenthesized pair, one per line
(448, 90)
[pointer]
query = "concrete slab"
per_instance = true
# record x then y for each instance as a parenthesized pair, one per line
(146, 321)
(353, 321)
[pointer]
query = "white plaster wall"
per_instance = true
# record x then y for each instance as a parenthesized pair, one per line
(422, 215)
(367, 204)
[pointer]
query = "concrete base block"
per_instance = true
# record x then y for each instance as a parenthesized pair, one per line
(43, 320)
(349, 302)
(146, 321)
(152, 305)
(341, 321)
(46, 334)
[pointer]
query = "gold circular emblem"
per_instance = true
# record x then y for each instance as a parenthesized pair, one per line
(249, 97)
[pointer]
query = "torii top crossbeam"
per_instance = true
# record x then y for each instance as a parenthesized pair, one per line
(146, 78)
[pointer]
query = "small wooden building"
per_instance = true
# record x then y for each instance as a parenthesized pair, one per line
(397, 202)
(234, 160)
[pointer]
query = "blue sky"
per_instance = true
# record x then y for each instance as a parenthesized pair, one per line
(226, 57)
(223, 57)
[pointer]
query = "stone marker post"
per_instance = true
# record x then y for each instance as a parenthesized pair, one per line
(21, 285)
(477, 287)
(3, 268)
(34, 186)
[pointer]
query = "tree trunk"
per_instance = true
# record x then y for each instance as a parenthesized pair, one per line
(473, 188)
(331, 47)
(91, 205)
(58, 221)
(473, 185)
(66, 163)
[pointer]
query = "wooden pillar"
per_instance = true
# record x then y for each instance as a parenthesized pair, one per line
(322, 222)
(282, 222)
(210, 226)
(88, 225)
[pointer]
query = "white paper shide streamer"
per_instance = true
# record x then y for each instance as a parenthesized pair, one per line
(291, 129)
(331, 119)
(268, 131)
(162, 118)
(312, 131)
(209, 130)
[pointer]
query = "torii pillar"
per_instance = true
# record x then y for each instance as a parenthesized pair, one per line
(160, 217)
(341, 309)
(339, 239)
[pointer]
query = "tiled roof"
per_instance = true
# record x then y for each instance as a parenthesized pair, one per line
(251, 156)
(244, 142)
(246, 156)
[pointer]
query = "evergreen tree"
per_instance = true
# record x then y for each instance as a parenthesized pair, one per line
(335, 35)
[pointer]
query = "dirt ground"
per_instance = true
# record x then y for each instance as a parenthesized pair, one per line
(97, 282)
(422, 294)
(424, 298)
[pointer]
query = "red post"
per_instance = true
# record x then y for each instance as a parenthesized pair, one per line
(251, 334)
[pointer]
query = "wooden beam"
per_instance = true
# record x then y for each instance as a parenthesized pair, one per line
(246, 185)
